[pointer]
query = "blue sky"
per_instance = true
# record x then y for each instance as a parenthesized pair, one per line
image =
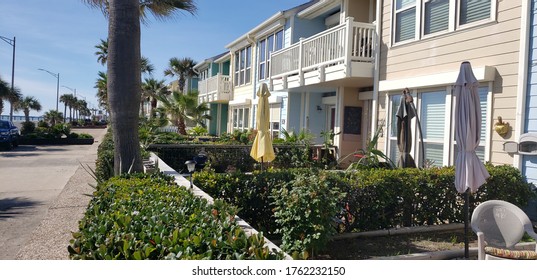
(60, 35)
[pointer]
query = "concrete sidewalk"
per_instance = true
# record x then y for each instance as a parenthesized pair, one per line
(50, 239)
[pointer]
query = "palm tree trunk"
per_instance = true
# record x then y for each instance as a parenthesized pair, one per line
(153, 107)
(124, 83)
(27, 115)
(182, 126)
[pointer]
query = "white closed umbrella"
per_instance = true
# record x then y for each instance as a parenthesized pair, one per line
(470, 172)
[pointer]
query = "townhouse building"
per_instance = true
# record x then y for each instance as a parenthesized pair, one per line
(342, 65)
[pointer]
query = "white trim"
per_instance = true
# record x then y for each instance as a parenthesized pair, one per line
(240, 102)
(523, 58)
(318, 8)
(271, 99)
(482, 74)
(248, 35)
(488, 125)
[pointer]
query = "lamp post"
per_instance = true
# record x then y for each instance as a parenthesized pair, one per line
(191, 166)
(12, 43)
(57, 76)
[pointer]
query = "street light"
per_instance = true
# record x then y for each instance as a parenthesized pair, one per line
(12, 43)
(57, 76)
(71, 89)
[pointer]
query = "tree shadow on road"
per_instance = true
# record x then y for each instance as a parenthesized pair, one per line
(11, 207)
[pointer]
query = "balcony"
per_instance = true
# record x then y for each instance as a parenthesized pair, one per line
(344, 51)
(214, 89)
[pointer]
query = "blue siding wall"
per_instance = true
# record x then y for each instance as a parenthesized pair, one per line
(529, 163)
(294, 112)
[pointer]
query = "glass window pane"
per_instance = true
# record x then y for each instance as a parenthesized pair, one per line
(474, 10)
(434, 153)
(246, 117)
(404, 3)
(262, 51)
(279, 40)
(436, 16)
(405, 25)
(433, 115)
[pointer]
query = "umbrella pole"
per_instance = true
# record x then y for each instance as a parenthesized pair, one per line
(466, 218)
(261, 163)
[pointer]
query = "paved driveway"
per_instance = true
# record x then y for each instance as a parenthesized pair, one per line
(31, 178)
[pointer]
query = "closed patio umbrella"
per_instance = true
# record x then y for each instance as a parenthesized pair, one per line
(405, 113)
(470, 172)
(262, 150)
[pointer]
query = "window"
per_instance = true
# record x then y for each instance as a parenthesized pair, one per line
(268, 45)
(436, 118)
(240, 118)
(405, 20)
(243, 66)
(429, 17)
(436, 16)
(433, 120)
(474, 10)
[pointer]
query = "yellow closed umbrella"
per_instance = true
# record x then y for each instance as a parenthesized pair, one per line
(262, 149)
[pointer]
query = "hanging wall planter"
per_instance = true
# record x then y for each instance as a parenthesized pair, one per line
(501, 127)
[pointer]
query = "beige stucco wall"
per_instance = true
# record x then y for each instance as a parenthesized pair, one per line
(491, 44)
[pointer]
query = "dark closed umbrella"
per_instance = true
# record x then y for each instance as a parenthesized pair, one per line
(405, 114)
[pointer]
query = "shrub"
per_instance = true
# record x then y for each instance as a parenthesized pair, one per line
(304, 212)
(250, 192)
(145, 216)
(27, 128)
(375, 198)
(104, 165)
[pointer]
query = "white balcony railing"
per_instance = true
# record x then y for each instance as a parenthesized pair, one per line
(341, 45)
(214, 89)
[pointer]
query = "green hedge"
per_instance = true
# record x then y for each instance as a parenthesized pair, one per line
(373, 199)
(144, 216)
(104, 165)
(228, 158)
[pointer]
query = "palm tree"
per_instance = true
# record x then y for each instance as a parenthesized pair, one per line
(179, 106)
(102, 57)
(4, 91)
(14, 96)
(101, 86)
(53, 117)
(26, 104)
(152, 89)
(199, 113)
(123, 70)
(183, 68)
(102, 51)
(147, 67)
(68, 100)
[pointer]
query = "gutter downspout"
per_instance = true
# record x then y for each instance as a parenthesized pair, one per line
(376, 74)
(523, 66)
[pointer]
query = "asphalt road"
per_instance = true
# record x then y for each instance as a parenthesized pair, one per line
(31, 178)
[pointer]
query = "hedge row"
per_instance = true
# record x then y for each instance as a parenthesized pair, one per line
(144, 216)
(366, 199)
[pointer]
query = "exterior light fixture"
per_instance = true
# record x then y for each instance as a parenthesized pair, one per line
(191, 166)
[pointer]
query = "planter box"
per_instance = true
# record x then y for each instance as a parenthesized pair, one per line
(60, 141)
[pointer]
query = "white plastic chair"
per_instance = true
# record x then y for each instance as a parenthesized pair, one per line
(499, 226)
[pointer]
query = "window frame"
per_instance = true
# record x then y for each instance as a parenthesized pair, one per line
(240, 118)
(449, 142)
(243, 66)
(453, 21)
(264, 51)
